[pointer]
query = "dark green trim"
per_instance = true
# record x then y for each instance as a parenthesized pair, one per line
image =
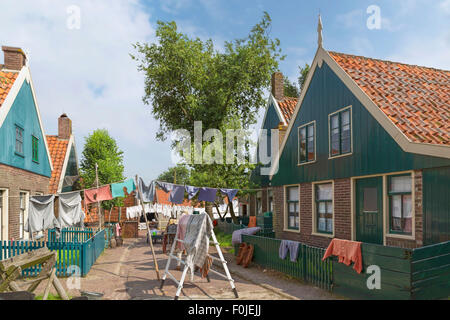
(35, 149)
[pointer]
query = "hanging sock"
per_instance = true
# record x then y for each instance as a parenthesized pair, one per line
(191, 191)
(230, 193)
(177, 194)
(100, 194)
(117, 188)
(207, 194)
(148, 192)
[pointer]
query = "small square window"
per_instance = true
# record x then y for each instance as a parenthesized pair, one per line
(340, 133)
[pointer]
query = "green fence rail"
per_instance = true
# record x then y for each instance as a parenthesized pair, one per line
(308, 266)
(72, 257)
(76, 235)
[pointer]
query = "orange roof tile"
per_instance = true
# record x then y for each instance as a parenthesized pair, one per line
(416, 99)
(6, 82)
(58, 149)
(287, 107)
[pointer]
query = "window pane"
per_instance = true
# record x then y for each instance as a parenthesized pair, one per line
(322, 225)
(400, 184)
(334, 142)
(329, 225)
(370, 199)
(293, 194)
(396, 206)
(324, 191)
(334, 121)
(345, 117)
(329, 207)
(311, 130)
(303, 133)
(407, 206)
(322, 208)
(302, 150)
(311, 149)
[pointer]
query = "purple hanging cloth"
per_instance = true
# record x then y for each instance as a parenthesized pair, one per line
(230, 193)
(207, 194)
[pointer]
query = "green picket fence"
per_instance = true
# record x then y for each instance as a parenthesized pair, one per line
(229, 228)
(72, 257)
(308, 266)
(74, 235)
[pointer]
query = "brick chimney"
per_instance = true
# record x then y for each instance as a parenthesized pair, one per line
(15, 58)
(64, 127)
(278, 85)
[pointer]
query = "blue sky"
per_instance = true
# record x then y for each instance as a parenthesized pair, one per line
(88, 74)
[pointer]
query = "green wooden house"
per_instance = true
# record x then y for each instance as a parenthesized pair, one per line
(25, 165)
(366, 155)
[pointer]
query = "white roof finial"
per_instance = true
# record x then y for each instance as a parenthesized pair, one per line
(319, 32)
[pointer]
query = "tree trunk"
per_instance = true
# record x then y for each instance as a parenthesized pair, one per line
(233, 216)
(208, 209)
(218, 211)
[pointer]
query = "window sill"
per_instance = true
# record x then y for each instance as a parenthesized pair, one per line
(400, 236)
(326, 235)
(305, 163)
(37, 162)
(19, 154)
(339, 156)
(291, 230)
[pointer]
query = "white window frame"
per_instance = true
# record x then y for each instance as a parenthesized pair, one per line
(268, 199)
(4, 215)
(315, 143)
(351, 133)
(285, 206)
(314, 210)
(25, 235)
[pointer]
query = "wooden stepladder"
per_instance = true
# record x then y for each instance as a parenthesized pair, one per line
(227, 274)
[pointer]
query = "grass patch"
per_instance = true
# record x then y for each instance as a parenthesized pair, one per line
(69, 256)
(51, 296)
(225, 241)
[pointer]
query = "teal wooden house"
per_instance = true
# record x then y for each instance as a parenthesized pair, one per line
(25, 165)
(366, 155)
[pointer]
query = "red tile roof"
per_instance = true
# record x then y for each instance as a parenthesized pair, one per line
(6, 82)
(287, 107)
(58, 149)
(416, 99)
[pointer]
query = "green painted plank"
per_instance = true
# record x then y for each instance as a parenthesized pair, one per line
(388, 263)
(417, 276)
(441, 291)
(358, 294)
(342, 273)
(443, 278)
(431, 263)
(369, 249)
(431, 251)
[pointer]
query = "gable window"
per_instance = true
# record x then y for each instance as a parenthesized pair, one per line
(35, 148)
(292, 206)
(306, 143)
(19, 140)
(400, 204)
(340, 132)
(324, 208)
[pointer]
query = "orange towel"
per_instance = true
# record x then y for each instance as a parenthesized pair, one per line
(347, 251)
(252, 222)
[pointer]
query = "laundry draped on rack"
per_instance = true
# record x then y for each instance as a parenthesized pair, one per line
(41, 214)
(196, 240)
(100, 194)
(70, 210)
(117, 188)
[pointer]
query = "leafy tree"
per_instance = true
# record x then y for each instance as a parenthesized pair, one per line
(181, 172)
(290, 88)
(303, 74)
(102, 149)
(189, 80)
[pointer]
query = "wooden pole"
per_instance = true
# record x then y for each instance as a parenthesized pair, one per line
(98, 202)
(148, 229)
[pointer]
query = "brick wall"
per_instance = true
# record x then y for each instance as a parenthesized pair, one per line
(16, 180)
(418, 197)
(92, 216)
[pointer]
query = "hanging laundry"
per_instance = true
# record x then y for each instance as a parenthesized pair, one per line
(100, 194)
(165, 186)
(177, 194)
(291, 246)
(41, 214)
(70, 210)
(148, 192)
(117, 188)
(230, 193)
(182, 224)
(236, 237)
(347, 251)
(251, 222)
(191, 191)
(207, 194)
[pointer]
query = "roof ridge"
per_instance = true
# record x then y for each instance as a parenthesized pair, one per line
(388, 61)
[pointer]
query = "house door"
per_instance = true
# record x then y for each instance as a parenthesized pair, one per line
(369, 210)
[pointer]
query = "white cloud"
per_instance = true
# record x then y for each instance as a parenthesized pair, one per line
(88, 73)
(174, 6)
(351, 19)
(445, 6)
